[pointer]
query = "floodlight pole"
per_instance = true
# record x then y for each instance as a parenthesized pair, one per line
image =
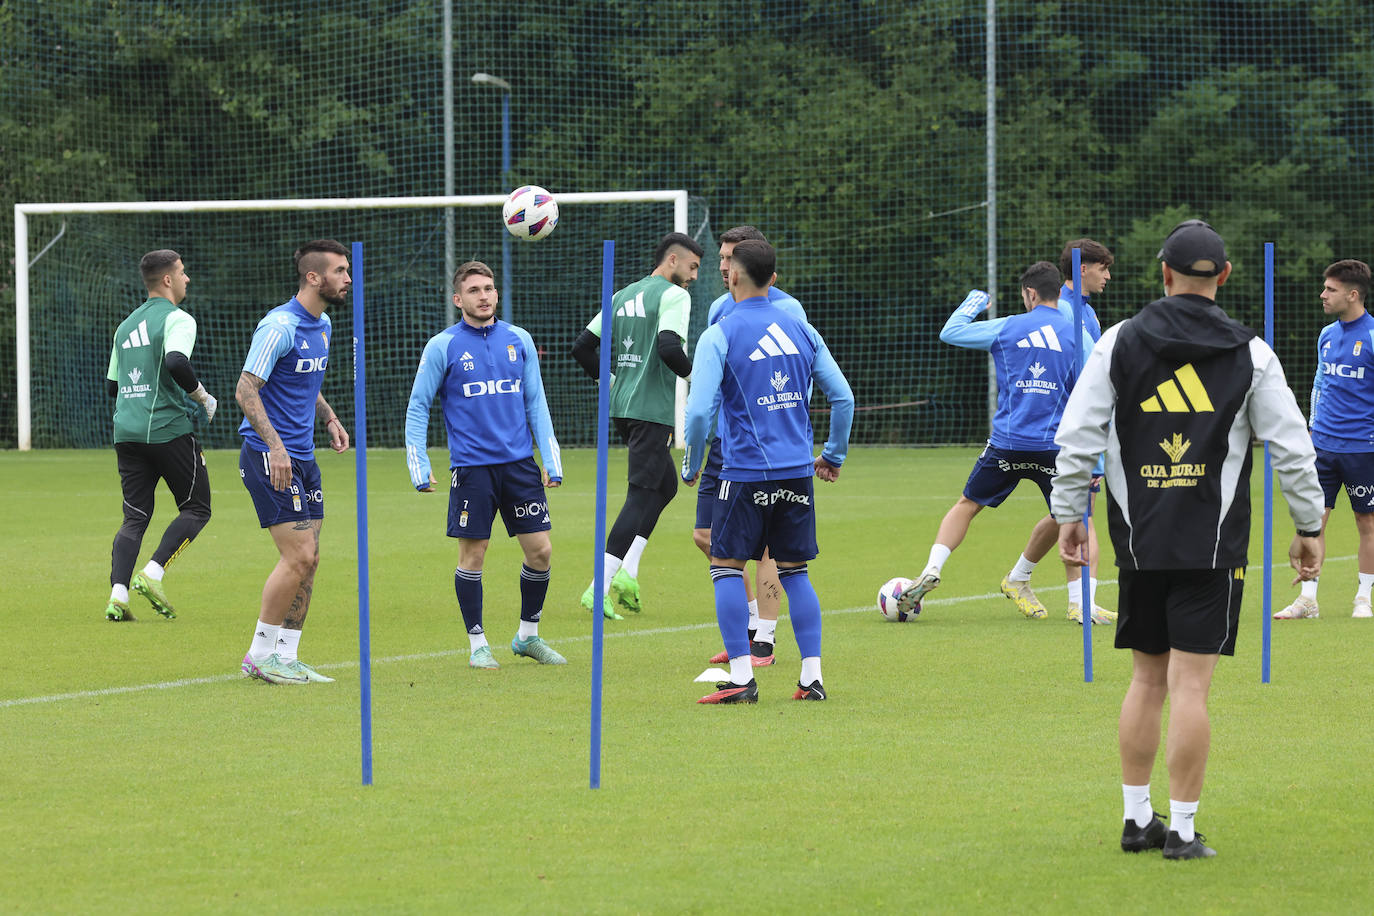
(507, 286)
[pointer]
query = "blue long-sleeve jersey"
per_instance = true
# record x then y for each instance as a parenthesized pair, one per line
(492, 396)
(762, 360)
(1342, 408)
(1036, 368)
(725, 305)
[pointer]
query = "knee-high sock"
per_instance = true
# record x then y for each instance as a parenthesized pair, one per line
(467, 583)
(732, 609)
(534, 585)
(804, 607)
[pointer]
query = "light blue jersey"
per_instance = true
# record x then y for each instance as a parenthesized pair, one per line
(1092, 328)
(492, 395)
(290, 351)
(1342, 406)
(1036, 368)
(726, 305)
(761, 361)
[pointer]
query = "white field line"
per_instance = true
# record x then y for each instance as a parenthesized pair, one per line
(447, 653)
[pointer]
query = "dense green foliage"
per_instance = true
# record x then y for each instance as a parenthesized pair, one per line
(853, 132)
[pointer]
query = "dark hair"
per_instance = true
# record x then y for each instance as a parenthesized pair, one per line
(1092, 253)
(1352, 273)
(741, 234)
(758, 260)
(1045, 279)
(470, 267)
(306, 257)
(676, 238)
(157, 264)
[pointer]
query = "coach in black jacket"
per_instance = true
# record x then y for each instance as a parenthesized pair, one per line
(1174, 396)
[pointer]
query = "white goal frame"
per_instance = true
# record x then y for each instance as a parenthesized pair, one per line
(23, 368)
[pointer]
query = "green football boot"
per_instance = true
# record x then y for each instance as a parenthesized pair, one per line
(310, 673)
(118, 610)
(481, 658)
(607, 611)
(272, 670)
(152, 590)
(535, 648)
(625, 590)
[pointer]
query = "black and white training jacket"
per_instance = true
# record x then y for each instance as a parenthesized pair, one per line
(1174, 397)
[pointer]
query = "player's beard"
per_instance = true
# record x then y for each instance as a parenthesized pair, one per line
(335, 298)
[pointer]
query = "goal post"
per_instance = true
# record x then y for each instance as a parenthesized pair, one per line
(553, 258)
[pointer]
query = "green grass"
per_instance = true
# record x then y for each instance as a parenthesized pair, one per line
(960, 765)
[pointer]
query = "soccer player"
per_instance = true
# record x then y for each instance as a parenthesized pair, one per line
(1174, 396)
(486, 373)
(279, 392)
(760, 360)
(1095, 262)
(649, 325)
(1036, 366)
(1342, 421)
(766, 598)
(150, 377)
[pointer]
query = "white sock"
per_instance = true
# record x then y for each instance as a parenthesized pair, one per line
(631, 564)
(119, 593)
(811, 670)
(939, 553)
(1136, 804)
(1181, 816)
(609, 567)
(754, 614)
(1076, 591)
(1309, 589)
(153, 571)
(741, 669)
(1092, 591)
(1366, 582)
(1021, 572)
(767, 631)
(476, 641)
(288, 644)
(264, 641)
(527, 629)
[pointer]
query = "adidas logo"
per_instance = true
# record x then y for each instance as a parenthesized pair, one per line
(466, 355)
(476, 630)
(1038, 370)
(1183, 393)
(632, 309)
(1044, 338)
(139, 338)
(774, 343)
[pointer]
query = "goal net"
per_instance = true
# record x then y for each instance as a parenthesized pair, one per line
(84, 280)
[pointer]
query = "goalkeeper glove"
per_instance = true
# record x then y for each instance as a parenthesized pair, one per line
(974, 304)
(206, 400)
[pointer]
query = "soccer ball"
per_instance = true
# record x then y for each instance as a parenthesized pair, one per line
(530, 213)
(887, 600)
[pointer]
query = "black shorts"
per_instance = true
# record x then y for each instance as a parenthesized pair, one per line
(180, 462)
(1193, 610)
(650, 461)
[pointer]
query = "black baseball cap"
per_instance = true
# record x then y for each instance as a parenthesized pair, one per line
(1191, 247)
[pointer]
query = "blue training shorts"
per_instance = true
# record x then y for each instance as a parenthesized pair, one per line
(477, 493)
(753, 515)
(1353, 469)
(302, 500)
(706, 485)
(997, 472)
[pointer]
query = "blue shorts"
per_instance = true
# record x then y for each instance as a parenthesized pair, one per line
(302, 500)
(706, 485)
(1353, 469)
(515, 489)
(997, 472)
(753, 515)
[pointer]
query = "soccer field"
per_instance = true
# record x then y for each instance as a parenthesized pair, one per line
(960, 765)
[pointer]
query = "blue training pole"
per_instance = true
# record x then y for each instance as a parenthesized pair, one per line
(1085, 579)
(360, 456)
(1268, 476)
(603, 432)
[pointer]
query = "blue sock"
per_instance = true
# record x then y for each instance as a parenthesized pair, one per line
(732, 609)
(534, 585)
(804, 607)
(467, 583)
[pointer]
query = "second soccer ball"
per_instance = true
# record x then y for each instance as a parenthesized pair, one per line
(530, 213)
(887, 600)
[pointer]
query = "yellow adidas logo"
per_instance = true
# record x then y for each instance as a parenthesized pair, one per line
(1171, 394)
